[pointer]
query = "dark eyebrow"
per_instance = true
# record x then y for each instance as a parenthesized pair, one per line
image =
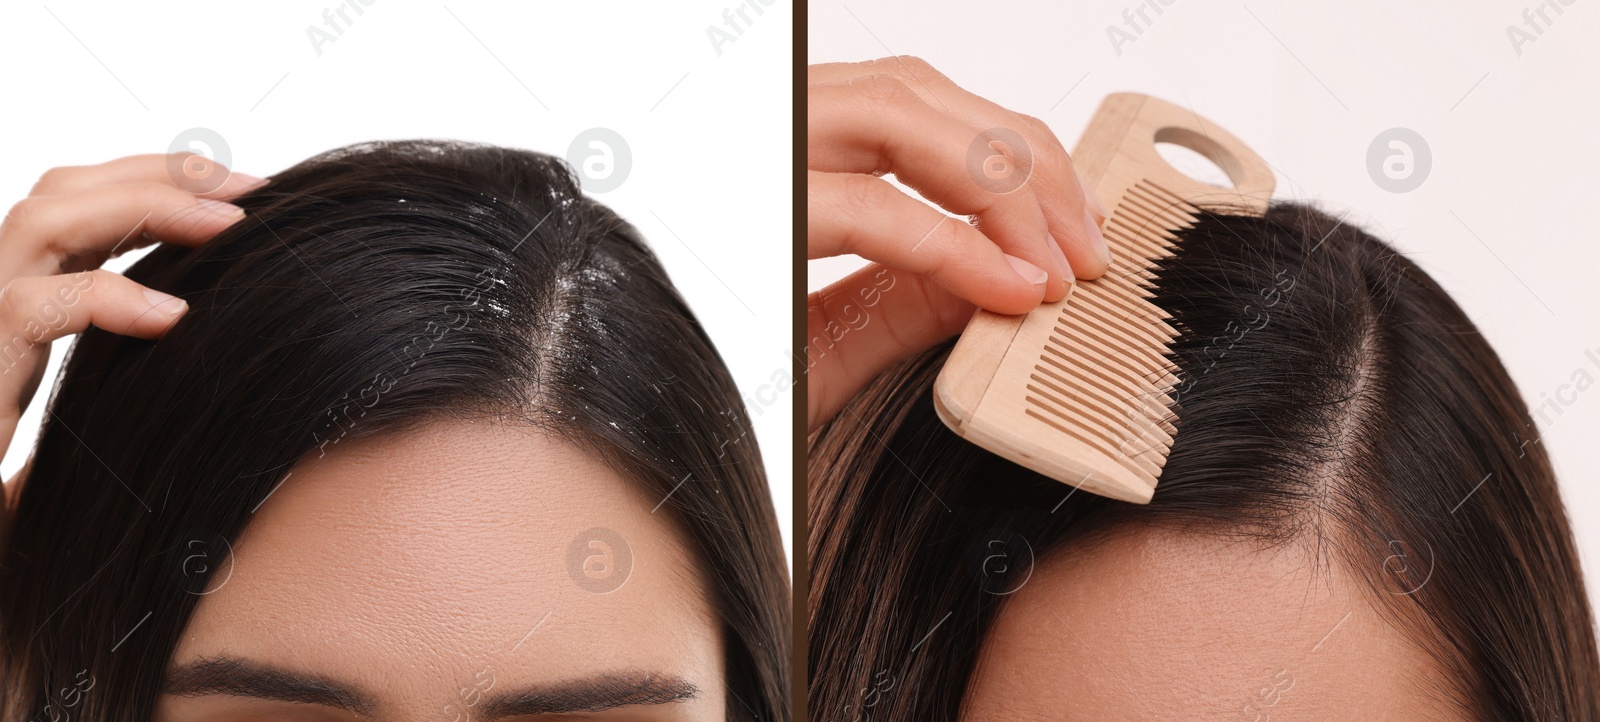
(239, 678)
(236, 677)
(594, 694)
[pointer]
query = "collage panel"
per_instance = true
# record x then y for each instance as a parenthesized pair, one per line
(1184, 361)
(380, 361)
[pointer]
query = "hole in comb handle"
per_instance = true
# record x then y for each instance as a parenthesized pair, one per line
(1199, 157)
(1194, 165)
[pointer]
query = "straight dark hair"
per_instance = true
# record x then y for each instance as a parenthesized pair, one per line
(1329, 391)
(369, 290)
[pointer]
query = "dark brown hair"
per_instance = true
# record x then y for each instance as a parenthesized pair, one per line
(1328, 388)
(370, 289)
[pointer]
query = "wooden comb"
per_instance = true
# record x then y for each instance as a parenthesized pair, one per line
(1080, 390)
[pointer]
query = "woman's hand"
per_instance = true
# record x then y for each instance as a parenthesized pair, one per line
(1036, 229)
(53, 242)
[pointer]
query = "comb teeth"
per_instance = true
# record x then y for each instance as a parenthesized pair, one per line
(1103, 377)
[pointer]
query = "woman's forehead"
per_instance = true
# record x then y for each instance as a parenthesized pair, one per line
(1153, 623)
(405, 562)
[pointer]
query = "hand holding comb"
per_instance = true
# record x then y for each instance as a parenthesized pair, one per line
(1080, 390)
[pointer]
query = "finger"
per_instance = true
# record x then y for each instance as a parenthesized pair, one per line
(866, 216)
(1072, 211)
(867, 322)
(876, 125)
(93, 224)
(191, 172)
(35, 310)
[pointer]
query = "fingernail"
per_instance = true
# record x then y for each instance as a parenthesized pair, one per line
(166, 304)
(1061, 260)
(1097, 240)
(226, 211)
(1029, 272)
(1094, 204)
(249, 182)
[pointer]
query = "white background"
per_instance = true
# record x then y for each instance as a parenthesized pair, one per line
(709, 127)
(1502, 220)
